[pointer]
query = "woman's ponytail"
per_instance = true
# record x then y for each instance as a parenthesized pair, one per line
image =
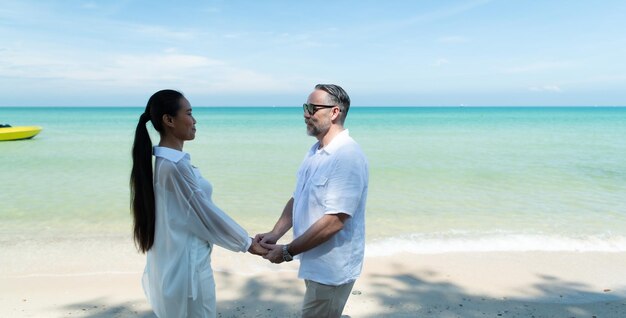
(141, 187)
(141, 177)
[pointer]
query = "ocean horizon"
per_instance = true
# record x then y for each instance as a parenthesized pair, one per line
(442, 179)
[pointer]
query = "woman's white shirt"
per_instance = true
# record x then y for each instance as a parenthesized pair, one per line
(188, 223)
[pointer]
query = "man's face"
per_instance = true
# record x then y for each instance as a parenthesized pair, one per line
(318, 123)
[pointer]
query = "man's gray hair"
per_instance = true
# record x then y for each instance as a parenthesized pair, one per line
(337, 96)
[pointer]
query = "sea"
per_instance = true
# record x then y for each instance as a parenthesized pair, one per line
(442, 179)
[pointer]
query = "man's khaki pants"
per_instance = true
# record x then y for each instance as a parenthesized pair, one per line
(325, 301)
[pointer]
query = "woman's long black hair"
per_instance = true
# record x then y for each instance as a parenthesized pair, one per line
(141, 177)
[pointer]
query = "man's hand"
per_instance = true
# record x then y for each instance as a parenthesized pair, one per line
(257, 249)
(269, 238)
(274, 254)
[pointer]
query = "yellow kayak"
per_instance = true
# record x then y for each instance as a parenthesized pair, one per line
(18, 132)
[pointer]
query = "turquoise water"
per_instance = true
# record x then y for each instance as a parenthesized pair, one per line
(441, 179)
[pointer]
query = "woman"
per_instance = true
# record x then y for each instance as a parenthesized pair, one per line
(175, 221)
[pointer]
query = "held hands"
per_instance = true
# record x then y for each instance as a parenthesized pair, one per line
(268, 238)
(274, 254)
(268, 241)
(257, 249)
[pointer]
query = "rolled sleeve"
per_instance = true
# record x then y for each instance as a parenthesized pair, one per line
(345, 185)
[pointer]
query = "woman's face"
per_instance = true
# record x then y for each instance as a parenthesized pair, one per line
(184, 123)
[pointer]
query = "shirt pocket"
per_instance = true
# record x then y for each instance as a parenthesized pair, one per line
(320, 181)
(318, 190)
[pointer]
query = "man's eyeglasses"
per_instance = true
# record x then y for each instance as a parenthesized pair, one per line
(313, 108)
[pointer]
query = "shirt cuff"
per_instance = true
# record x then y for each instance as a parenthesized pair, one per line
(248, 244)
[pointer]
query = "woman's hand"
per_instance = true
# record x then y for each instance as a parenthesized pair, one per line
(257, 249)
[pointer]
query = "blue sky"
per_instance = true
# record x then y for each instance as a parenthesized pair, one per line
(264, 53)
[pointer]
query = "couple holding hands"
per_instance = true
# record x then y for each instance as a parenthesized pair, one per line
(176, 223)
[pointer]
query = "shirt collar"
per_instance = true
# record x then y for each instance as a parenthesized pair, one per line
(170, 154)
(334, 144)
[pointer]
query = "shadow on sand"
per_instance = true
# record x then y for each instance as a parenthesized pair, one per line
(411, 295)
(100, 308)
(406, 295)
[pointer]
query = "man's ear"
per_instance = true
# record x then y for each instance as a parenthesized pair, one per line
(336, 114)
(167, 120)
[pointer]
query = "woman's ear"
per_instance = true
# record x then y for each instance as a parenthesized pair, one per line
(167, 120)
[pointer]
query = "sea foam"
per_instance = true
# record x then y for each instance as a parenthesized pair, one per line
(494, 242)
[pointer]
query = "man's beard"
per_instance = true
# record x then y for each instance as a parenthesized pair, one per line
(315, 128)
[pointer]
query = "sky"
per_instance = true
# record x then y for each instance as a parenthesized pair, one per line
(272, 53)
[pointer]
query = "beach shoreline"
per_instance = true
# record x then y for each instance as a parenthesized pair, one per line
(485, 284)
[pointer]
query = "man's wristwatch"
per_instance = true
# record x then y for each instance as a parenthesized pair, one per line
(286, 256)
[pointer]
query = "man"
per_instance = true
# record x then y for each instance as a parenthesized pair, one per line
(327, 209)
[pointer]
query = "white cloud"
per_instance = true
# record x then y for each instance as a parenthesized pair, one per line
(234, 80)
(193, 73)
(546, 88)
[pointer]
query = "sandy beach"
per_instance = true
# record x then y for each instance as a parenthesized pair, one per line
(101, 278)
